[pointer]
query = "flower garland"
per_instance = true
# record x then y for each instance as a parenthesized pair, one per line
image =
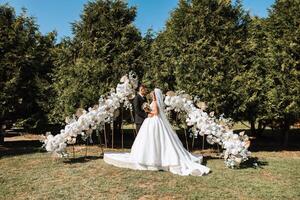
(100, 114)
(217, 130)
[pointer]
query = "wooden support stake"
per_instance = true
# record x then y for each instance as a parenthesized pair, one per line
(99, 137)
(134, 128)
(73, 150)
(193, 142)
(122, 132)
(105, 137)
(112, 135)
(86, 146)
(100, 142)
(186, 141)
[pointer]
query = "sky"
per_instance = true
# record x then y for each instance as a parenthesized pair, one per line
(59, 14)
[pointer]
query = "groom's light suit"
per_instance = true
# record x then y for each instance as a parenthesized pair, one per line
(140, 115)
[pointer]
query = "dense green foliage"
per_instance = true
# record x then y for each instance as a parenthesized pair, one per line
(26, 66)
(200, 51)
(244, 66)
(283, 29)
(106, 45)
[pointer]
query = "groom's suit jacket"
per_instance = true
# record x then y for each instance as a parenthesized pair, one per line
(139, 114)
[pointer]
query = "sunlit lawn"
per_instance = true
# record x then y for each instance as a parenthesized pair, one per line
(41, 176)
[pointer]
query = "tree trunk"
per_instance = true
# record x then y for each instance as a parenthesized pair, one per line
(1, 136)
(261, 127)
(253, 131)
(286, 129)
(286, 138)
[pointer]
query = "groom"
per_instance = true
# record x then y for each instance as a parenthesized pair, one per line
(138, 101)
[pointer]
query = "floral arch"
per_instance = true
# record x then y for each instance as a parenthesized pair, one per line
(217, 131)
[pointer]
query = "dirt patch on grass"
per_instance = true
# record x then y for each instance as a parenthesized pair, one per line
(268, 176)
(26, 137)
(154, 197)
(277, 154)
(147, 185)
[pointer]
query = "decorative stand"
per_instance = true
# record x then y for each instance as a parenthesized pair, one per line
(193, 142)
(105, 136)
(112, 134)
(100, 142)
(186, 141)
(122, 132)
(134, 129)
(86, 146)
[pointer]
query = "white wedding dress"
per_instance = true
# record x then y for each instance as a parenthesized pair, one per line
(157, 147)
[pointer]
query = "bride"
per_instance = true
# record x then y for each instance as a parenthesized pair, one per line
(157, 146)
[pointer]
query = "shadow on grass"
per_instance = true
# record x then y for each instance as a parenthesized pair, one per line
(267, 141)
(273, 141)
(21, 147)
(210, 157)
(82, 159)
(253, 162)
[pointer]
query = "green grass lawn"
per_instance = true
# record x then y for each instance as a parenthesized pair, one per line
(39, 175)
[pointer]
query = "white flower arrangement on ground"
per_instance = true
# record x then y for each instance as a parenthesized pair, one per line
(100, 114)
(217, 131)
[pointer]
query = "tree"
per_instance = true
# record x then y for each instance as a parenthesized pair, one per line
(25, 60)
(199, 51)
(160, 70)
(106, 45)
(249, 87)
(283, 29)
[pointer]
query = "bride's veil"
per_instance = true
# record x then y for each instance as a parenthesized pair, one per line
(161, 105)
